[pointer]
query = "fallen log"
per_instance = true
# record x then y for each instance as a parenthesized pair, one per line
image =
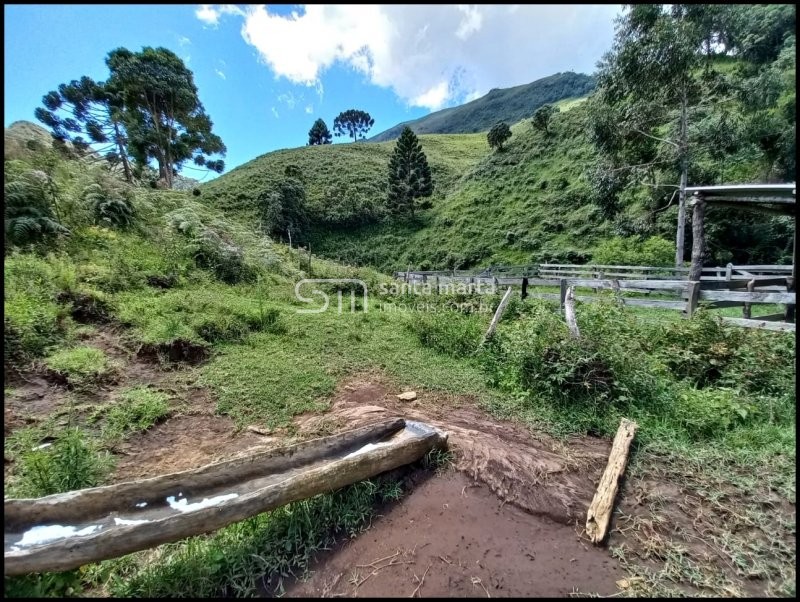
(602, 505)
(67, 530)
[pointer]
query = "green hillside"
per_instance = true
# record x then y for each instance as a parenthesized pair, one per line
(526, 204)
(501, 104)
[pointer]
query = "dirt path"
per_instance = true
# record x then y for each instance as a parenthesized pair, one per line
(470, 543)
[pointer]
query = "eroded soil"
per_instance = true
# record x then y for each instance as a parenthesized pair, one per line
(451, 536)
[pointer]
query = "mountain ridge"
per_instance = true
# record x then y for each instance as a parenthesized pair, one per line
(499, 104)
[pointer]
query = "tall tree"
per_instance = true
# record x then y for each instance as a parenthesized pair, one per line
(353, 123)
(164, 117)
(542, 118)
(319, 133)
(409, 175)
(498, 135)
(83, 112)
(653, 76)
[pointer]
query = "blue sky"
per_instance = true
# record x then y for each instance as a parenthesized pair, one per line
(266, 72)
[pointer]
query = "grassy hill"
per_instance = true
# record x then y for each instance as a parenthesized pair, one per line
(501, 104)
(526, 204)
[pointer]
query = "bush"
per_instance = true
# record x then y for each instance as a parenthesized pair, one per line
(653, 251)
(448, 332)
(708, 413)
(71, 462)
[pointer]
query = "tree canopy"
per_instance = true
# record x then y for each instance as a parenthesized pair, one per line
(148, 109)
(498, 135)
(162, 112)
(353, 123)
(542, 117)
(319, 133)
(409, 176)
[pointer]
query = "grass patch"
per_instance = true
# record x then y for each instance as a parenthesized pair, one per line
(81, 367)
(252, 557)
(72, 461)
(137, 410)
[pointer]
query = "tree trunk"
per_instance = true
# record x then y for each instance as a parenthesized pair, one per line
(682, 149)
(698, 238)
(126, 166)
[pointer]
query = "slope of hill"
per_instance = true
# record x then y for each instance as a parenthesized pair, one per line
(22, 137)
(501, 104)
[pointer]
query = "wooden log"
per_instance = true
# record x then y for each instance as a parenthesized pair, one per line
(563, 293)
(754, 297)
(225, 493)
(497, 315)
(569, 313)
(602, 506)
(759, 323)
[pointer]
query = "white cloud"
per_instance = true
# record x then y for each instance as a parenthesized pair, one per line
(183, 41)
(275, 112)
(220, 73)
(429, 55)
(472, 21)
(309, 109)
(433, 98)
(210, 13)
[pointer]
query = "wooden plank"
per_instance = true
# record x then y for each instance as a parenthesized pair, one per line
(667, 285)
(654, 304)
(723, 304)
(770, 317)
(613, 267)
(497, 315)
(599, 515)
(783, 298)
(764, 324)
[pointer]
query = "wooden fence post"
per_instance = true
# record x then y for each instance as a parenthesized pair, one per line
(497, 315)
(728, 271)
(524, 286)
(698, 237)
(436, 280)
(569, 313)
(788, 314)
(746, 308)
(694, 296)
(563, 292)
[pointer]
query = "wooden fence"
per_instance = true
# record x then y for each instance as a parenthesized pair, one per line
(735, 286)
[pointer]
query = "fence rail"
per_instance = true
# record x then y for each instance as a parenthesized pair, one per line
(764, 285)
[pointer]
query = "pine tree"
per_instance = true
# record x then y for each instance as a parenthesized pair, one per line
(319, 133)
(409, 176)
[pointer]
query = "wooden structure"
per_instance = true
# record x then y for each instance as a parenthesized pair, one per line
(67, 530)
(767, 198)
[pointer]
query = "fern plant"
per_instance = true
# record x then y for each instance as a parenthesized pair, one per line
(110, 207)
(29, 214)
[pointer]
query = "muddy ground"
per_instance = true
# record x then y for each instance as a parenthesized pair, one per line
(506, 520)
(453, 537)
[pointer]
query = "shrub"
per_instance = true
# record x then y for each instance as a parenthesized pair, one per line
(196, 192)
(71, 462)
(708, 413)
(448, 332)
(653, 251)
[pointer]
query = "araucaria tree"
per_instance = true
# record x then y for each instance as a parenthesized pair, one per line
(498, 135)
(84, 112)
(409, 176)
(319, 133)
(163, 115)
(352, 123)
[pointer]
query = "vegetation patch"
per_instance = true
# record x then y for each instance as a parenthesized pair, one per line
(136, 410)
(81, 367)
